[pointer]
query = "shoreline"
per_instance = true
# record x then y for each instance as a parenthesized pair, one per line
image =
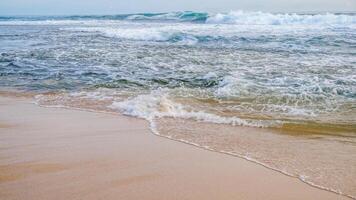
(255, 181)
(153, 130)
(257, 163)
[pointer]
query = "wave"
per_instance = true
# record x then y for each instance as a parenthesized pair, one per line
(157, 105)
(173, 34)
(173, 16)
(234, 17)
(186, 16)
(262, 18)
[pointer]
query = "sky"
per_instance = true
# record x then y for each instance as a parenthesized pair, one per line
(81, 7)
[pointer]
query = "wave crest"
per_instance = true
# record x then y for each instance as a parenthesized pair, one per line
(173, 16)
(233, 17)
(158, 105)
(261, 18)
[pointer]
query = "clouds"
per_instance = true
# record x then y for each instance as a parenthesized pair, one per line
(54, 7)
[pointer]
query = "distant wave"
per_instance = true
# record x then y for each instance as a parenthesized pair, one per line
(261, 18)
(234, 17)
(187, 16)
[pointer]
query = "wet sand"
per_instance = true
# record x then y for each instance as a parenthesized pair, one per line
(55, 153)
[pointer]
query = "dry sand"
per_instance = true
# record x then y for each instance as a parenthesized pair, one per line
(54, 153)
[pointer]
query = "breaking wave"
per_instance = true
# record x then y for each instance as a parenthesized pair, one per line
(261, 18)
(157, 105)
(234, 17)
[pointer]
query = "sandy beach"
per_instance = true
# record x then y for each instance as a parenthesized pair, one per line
(56, 153)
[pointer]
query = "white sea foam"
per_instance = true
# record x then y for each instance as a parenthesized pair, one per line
(234, 17)
(261, 18)
(136, 34)
(159, 34)
(166, 16)
(157, 105)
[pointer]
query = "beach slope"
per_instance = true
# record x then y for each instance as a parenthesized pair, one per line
(55, 153)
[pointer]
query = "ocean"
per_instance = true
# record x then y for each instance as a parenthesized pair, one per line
(278, 89)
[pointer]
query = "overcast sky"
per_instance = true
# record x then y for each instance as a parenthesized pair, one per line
(70, 7)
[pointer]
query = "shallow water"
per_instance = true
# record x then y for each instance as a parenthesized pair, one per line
(288, 79)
